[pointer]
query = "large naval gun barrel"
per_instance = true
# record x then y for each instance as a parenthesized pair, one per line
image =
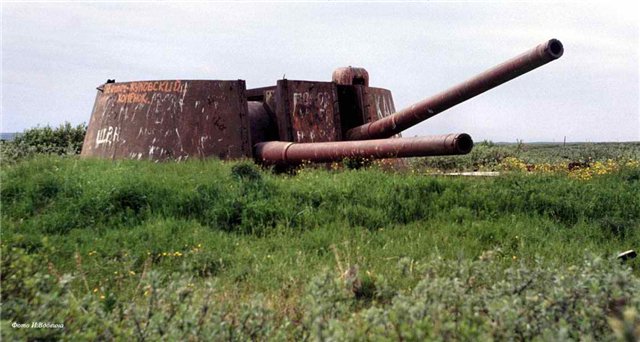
(418, 112)
(290, 153)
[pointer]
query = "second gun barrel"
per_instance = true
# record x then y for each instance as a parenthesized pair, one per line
(283, 152)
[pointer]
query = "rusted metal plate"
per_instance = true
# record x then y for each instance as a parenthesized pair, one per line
(378, 103)
(178, 119)
(283, 117)
(308, 111)
(264, 94)
(361, 104)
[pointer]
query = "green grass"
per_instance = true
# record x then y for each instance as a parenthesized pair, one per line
(488, 156)
(121, 228)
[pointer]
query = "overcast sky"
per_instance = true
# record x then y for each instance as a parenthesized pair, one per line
(55, 54)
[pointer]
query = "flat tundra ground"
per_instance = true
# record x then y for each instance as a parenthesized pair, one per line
(202, 250)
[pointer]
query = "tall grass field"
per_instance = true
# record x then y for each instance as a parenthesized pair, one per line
(212, 250)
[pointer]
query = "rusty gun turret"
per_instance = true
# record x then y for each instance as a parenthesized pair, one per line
(287, 123)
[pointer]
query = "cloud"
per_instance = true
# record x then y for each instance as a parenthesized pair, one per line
(54, 55)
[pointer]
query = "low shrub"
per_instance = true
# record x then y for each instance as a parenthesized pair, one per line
(62, 140)
(454, 300)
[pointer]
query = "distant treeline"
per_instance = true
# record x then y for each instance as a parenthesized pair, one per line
(8, 136)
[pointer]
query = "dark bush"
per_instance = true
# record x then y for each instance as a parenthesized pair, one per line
(246, 170)
(63, 140)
